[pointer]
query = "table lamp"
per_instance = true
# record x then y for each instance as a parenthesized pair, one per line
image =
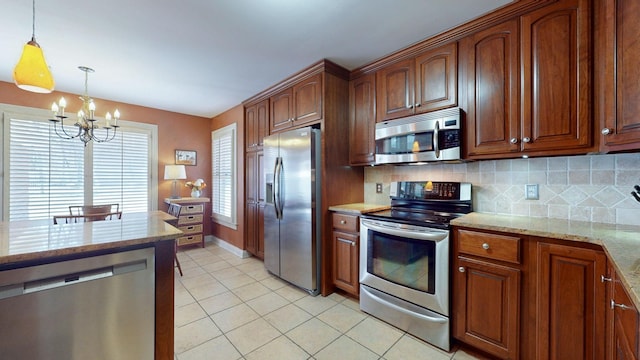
(175, 173)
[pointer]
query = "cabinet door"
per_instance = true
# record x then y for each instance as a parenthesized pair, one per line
(250, 121)
(436, 79)
(345, 261)
(486, 306)
(251, 230)
(307, 100)
(556, 73)
(251, 177)
(619, 72)
(395, 90)
(490, 59)
(260, 232)
(362, 122)
(281, 110)
(571, 302)
(261, 127)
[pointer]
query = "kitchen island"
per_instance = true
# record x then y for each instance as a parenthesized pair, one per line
(28, 245)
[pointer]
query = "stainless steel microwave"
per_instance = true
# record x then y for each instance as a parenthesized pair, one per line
(433, 136)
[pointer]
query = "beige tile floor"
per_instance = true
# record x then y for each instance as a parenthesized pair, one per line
(231, 308)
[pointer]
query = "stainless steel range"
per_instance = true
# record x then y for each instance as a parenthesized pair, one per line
(404, 257)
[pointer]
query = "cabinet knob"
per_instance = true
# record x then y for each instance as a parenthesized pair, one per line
(526, 139)
(604, 279)
(353, 243)
(606, 131)
(461, 269)
(409, 106)
(514, 140)
(343, 222)
(621, 306)
(485, 246)
(417, 105)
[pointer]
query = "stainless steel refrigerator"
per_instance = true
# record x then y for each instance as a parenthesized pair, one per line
(292, 209)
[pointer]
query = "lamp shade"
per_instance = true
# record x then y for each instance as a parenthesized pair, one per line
(32, 73)
(175, 172)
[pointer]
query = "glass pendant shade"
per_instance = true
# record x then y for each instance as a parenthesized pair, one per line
(32, 73)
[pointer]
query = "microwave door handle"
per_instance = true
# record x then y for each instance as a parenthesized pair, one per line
(436, 146)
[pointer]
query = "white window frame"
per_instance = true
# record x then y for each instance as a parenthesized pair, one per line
(8, 111)
(231, 220)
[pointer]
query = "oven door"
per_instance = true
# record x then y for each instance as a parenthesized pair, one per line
(406, 261)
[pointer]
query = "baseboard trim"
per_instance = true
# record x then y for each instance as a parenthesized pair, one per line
(225, 245)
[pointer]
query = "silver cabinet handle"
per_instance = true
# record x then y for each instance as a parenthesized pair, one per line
(603, 279)
(417, 105)
(485, 246)
(621, 306)
(514, 140)
(526, 139)
(409, 106)
(461, 269)
(606, 131)
(352, 243)
(343, 222)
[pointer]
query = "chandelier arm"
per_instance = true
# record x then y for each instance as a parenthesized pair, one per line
(106, 137)
(64, 134)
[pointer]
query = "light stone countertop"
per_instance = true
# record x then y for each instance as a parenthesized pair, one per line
(621, 243)
(358, 208)
(40, 239)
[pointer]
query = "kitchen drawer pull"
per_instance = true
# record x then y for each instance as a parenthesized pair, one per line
(603, 279)
(621, 306)
(461, 269)
(343, 222)
(485, 246)
(606, 131)
(514, 140)
(526, 139)
(352, 243)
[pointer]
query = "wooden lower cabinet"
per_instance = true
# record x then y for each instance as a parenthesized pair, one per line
(346, 245)
(622, 321)
(486, 306)
(571, 302)
(526, 297)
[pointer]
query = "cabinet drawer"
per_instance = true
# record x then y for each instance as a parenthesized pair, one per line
(491, 246)
(188, 240)
(190, 219)
(191, 229)
(192, 209)
(346, 222)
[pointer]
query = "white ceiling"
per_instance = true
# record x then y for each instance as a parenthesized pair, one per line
(202, 57)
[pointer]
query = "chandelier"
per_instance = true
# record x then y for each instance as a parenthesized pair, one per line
(86, 123)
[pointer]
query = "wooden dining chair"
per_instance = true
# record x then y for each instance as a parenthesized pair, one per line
(96, 212)
(72, 219)
(174, 210)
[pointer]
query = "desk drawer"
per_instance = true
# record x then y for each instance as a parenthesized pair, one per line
(191, 239)
(191, 229)
(192, 209)
(491, 246)
(190, 219)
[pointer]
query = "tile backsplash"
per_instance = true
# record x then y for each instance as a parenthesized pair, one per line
(590, 188)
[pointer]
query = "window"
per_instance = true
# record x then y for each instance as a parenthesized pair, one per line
(44, 174)
(223, 165)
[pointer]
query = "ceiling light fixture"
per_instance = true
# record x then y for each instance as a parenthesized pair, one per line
(31, 72)
(86, 123)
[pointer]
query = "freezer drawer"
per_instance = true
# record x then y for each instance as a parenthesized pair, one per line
(100, 307)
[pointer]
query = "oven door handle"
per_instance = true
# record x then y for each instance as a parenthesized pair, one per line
(405, 311)
(431, 235)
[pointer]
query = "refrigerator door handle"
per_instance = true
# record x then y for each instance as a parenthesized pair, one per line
(276, 187)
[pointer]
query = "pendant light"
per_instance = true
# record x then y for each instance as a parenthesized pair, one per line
(32, 73)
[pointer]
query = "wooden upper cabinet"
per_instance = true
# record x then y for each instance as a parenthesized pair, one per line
(297, 105)
(436, 79)
(281, 110)
(256, 125)
(362, 122)
(618, 73)
(556, 73)
(490, 59)
(425, 83)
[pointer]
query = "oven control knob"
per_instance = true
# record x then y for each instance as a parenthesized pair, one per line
(461, 269)
(485, 246)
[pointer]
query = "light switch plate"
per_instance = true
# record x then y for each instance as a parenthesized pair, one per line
(531, 192)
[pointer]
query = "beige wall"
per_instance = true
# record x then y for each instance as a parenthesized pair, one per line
(590, 188)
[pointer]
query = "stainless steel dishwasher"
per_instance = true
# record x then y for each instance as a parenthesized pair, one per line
(100, 307)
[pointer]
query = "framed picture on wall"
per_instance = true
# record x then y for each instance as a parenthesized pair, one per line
(186, 157)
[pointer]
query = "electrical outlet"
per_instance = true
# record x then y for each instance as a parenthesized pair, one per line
(531, 192)
(379, 188)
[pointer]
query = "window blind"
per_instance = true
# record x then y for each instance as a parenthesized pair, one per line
(223, 193)
(46, 173)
